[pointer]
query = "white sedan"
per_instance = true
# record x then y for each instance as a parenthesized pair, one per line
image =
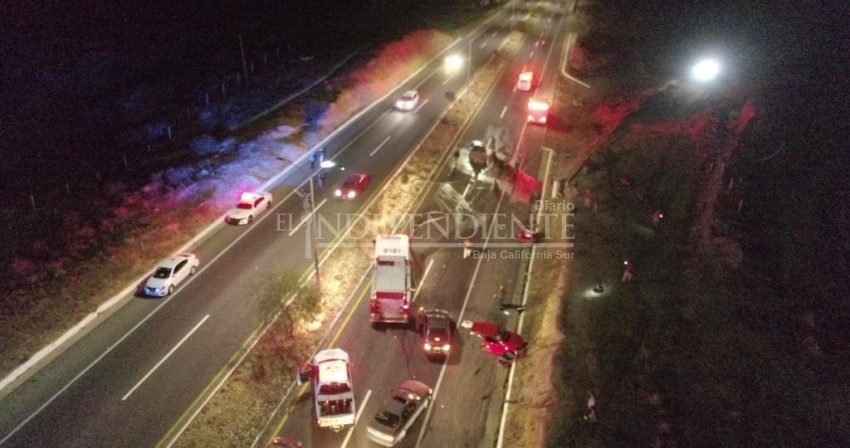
(250, 205)
(408, 101)
(170, 273)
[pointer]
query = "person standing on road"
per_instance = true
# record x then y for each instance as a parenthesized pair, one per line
(453, 162)
(467, 248)
(628, 273)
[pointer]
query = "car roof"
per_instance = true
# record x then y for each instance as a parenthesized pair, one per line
(172, 261)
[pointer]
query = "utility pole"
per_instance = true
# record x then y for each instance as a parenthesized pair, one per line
(244, 65)
(313, 232)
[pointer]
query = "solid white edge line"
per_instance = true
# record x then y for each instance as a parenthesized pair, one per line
(164, 358)
(307, 218)
(356, 418)
(565, 57)
(504, 418)
(381, 145)
(422, 282)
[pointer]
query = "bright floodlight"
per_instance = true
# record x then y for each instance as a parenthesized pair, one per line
(706, 70)
(454, 62)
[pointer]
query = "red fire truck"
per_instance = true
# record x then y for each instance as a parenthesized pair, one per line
(392, 280)
(538, 111)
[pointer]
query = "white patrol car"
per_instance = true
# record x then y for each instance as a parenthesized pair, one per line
(250, 205)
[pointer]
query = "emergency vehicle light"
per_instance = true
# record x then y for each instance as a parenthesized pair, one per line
(538, 105)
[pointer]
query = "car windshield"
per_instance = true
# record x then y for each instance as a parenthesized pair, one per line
(388, 418)
(333, 388)
(350, 183)
(408, 96)
(438, 333)
(244, 205)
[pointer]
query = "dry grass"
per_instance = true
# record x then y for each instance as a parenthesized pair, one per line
(534, 390)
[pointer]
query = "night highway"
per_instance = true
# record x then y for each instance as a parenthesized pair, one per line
(131, 378)
(470, 381)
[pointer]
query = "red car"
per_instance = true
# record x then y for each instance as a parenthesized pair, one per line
(285, 442)
(353, 186)
(496, 340)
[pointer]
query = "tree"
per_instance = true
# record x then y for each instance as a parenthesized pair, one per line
(280, 295)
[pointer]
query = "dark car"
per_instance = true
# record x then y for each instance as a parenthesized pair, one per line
(496, 340)
(437, 332)
(353, 186)
(399, 412)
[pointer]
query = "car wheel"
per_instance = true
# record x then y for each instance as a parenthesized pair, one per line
(510, 356)
(192, 271)
(250, 219)
(170, 289)
(269, 205)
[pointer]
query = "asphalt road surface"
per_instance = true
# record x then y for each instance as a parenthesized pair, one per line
(129, 380)
(470, 380)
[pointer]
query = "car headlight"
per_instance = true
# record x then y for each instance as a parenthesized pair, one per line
(447, 347)
(338, 193)
(427, 346)
(351, 194)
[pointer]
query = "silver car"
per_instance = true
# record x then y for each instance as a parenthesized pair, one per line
(399, 412)
(170, 273)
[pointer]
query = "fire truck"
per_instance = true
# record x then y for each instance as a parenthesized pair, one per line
(392, 280)
(538, 111)
(526, 77)
(333, 391)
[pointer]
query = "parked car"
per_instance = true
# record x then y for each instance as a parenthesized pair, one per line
(170, 273)
(250, 205)
(399, 412)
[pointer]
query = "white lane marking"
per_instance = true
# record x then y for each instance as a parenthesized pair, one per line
(502, 115)
(356, 418)
(380, 146)
(536, 44)
(307, 218)
(420, 107)
(459, 319)
(448, 78)
(483, 44)
(531, 55)
(164, 358)
(422, 282)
